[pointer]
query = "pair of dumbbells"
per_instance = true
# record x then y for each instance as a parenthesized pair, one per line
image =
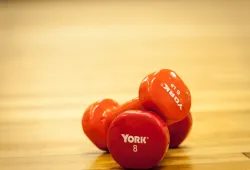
(139, 132)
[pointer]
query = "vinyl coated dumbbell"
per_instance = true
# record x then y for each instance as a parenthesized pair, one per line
(138, 139)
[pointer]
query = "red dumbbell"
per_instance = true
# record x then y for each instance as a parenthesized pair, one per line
(162, 92)
(138, 139)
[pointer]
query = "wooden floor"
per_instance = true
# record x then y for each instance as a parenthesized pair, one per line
(56, 57)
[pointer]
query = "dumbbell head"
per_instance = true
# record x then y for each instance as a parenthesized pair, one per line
(179, 131)
(165, 93)
(94, 122)
(138, 139)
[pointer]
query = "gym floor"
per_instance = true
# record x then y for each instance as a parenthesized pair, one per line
(57, 57)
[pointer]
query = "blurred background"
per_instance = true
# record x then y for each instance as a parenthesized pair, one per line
(57, 57)
(63, 53)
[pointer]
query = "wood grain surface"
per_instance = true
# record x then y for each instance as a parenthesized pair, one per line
(57, 57)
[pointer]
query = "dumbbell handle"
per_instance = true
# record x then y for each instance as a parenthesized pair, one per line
(133, 104)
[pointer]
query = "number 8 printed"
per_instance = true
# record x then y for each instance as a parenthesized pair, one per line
(135, 148)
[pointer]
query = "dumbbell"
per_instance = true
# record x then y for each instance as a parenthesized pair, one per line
(162, 92)
(138, 139)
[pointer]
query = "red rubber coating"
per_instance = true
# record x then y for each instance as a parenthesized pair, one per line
(94, 123)
(165, 93)
(179, 131)
(138, 139)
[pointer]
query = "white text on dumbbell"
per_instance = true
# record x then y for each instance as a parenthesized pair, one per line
(134, 139)
(171, 93)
